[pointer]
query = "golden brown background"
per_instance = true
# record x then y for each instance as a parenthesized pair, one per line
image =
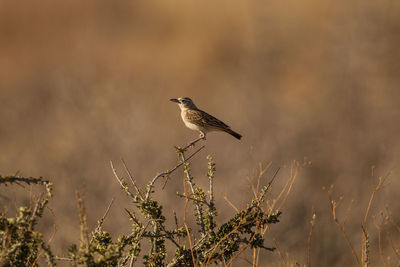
(85, 82)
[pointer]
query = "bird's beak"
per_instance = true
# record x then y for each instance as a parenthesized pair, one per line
(174, 100)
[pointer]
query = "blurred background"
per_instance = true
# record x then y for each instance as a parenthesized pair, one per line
(83, 83)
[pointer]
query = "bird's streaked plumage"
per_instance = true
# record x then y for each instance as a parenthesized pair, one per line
(199, 120)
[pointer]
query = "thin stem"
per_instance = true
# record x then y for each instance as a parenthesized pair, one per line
(312, 222)
(192, 143)
(123, 185)
(12, 179)
(193, 199)
(334, 205)
(189, 179)
(166, 173)
(131, 177)
(101, 221)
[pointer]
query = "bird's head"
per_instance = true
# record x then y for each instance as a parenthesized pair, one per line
(184, 102)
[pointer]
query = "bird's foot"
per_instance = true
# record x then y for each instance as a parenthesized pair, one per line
(202, 136)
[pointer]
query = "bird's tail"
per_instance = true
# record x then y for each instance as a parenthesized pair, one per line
(233, 133)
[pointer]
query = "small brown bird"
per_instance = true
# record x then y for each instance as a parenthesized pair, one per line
(198, 120)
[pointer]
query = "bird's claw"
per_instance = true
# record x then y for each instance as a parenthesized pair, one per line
(202, 136)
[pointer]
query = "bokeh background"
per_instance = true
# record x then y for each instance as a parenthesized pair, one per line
(83, 83)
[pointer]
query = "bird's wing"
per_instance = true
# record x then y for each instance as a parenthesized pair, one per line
(204, 119)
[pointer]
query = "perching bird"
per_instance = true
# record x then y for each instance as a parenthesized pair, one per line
(198, 120)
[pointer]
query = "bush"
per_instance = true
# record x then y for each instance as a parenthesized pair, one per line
(22, 245)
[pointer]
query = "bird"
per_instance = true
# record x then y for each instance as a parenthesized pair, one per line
(198, 120)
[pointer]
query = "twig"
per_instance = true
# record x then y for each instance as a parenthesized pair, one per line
(293, 175)
(248, 243)
(264, 191)
(199, 242)
(364, 239)
(150, 186)
(276, 245)
(312, 222)
(28, 180)
(38, 205)
(35, 211)
(241, 251)
(55, 225)
(180, 164)
(177, 226)
(261, 172)
(268, 186)
(396, 251)
(193, 199)
(376, 189)
(273, 177)
(334, 205)
(212, 250)
(121, 182)
(156, 222)
(210, 174)
(132, 217)
(212, 190)
(192, 143)
(389, 212)
(364, 247)
(131, 178)
(168, 235)
(198, 207)
(138, 238)
(379, 228)
(231, 204)
(63, 259)
(188, 232)
(101, 221)
(82, 219)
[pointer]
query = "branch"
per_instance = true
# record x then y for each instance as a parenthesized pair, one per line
(130, 177)
(193, 199)
(312, 222)
(121, 182)
(166, 173)
(101, 221)
(28, 180)
(264, 190)
(199, 209)
(210, 174)
(167, 235)
(192, 143)
(334, 205)
(35, 211)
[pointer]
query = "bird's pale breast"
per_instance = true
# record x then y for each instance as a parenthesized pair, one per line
(189, 122)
